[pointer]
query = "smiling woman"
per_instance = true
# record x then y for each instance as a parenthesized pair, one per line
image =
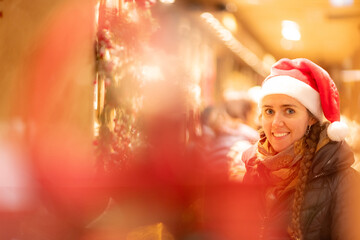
(284, 120)
(301, 165)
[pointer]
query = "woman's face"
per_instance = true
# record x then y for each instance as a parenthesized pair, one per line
(284, 120)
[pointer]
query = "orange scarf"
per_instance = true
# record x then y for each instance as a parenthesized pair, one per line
(282, 168)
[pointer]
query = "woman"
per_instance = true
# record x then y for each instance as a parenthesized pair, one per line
(302, 165)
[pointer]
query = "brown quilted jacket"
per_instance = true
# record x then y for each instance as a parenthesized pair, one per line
(332, 198)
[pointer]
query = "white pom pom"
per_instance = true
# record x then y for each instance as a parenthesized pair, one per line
(337, 131)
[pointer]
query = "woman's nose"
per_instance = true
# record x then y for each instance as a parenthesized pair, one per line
(278, 120)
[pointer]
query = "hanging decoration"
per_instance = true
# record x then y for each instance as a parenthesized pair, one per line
(123, 31)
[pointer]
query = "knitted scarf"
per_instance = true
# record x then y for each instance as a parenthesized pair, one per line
(279, 170)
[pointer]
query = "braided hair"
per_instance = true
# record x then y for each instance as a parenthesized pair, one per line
(308, 148)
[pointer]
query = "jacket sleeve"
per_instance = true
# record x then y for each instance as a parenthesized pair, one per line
(248, 158)
(346, 206)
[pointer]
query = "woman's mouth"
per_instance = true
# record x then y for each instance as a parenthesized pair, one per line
(278, 135)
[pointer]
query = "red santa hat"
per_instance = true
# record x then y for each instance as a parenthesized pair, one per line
(312, 86)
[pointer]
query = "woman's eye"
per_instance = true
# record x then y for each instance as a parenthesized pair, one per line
(269, 111)
(290, 111)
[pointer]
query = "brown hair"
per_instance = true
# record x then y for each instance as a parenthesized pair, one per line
(308, 148)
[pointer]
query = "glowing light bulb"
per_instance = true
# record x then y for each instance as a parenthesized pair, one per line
(290, 30)
(167, 1)
(341, 3)
(229, 22)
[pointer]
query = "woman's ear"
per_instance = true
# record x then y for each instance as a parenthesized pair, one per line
(312, 120)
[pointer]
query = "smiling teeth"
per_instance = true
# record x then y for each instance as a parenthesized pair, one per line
(280, 134)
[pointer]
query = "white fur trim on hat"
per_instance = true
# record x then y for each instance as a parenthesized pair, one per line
(295, 88)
